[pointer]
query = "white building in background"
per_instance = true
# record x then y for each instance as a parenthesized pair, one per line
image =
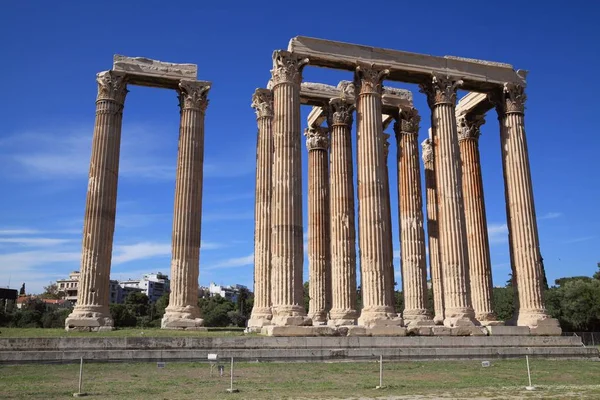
(153, 285)
(229, 292)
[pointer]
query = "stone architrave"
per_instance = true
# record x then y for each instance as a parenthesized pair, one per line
(319, 261)
(182, 311)
(435, 268)
(377, 305)
(441, 97)
(480, 267)
(91, 312)
(262, 102)
(412, 233)
(287, 255)
(526, 259)
(390, 276)
(343, 230)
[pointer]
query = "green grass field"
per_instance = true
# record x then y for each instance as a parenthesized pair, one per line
(123, 332)
(504, 379)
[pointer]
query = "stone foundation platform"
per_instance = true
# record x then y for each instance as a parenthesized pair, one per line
(252, 348)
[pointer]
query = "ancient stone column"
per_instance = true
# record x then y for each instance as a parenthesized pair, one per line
(319, 261)
(441, 96)
(343, 231)
(435, 267)
(410, 209)
(287, 254)
(390, 280)
(262, 102)
(377, 306)
(182, 311)
(480, 266)
(528, 268)
(91, 312)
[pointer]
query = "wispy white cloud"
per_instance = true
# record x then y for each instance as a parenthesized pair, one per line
(212, 216)
(550, 215)
(11, 232)
(233, 262)
(497, 233)
(579, 239)
(143, 250)
(35, 242)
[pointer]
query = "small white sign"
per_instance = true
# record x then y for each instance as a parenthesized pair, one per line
(161, 364)
(213, 356)
(485, 364)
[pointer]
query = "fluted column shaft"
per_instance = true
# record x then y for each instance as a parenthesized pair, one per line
(262, 102)
(389, 254)
(441, 95)
(522, 224)
(412, 234)
(319, 260)
(377, 306)
(435, 267)
(286, 208)
(480, 267)
(182, 311)
(91, 311)
(343, 231)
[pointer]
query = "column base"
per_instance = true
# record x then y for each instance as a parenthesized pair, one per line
(539, 323)
(342, 317)
(380, 316)
(460, 317)
(89, 319)
(187, 317)
(260, 317)
(488, 319)
(417, 317)
(438, 320)
(290, 316)
(318, 318)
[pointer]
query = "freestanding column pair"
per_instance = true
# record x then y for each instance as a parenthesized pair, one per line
(91, 312)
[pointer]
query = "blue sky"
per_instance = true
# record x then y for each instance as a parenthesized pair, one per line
(51, 52)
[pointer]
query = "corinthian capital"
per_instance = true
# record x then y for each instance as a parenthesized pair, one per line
(469, 127)
(427, 147)
(511, 99)
(340, 112)
(368, 78)
(317, 138)
(409, 119)
(262, 102)
(441, 90)
(193, 95)
(112, 86)
(287, 67)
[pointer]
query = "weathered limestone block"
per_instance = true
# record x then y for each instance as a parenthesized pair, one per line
(147, 72)
(386, 330)
(500, 330)
(262, 102)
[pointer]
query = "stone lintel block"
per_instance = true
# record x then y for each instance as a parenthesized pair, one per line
(388, 330)
(468, 331)
(259, 322)
(478, 75)
(441, 331)
(316, 117)
(499, 330)
(474, 104)
(545, 330)
(291, 320)
(182, 323)
(319, 94)
(146, 72)
(89, 324)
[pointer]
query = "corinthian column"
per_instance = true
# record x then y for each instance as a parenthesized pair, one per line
(91, 311)
(287, 254)
(389, 265)
(412, 234)
(343, 233)
(435, 267)
(183, 311)
(377, 305)
(528, 268)
(480, 267)
(262, 102)
(319, 262)
(441, 96)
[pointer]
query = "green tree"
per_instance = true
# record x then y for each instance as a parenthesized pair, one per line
(597, 273)
(214, 311)
(51, 292)
(138, 304)
(503, 300)
(121, 316)
(161, 304)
